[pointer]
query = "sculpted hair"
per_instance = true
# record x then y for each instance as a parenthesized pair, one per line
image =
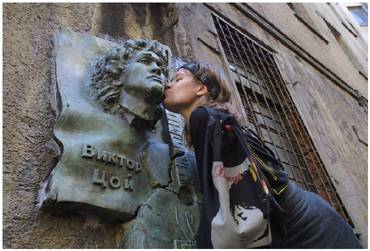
(221, 101)
(106, 78)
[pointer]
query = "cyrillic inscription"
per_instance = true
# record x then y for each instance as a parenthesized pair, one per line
(89, 151)
(102, 178)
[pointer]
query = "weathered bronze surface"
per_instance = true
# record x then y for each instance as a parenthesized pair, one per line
(163, 221)
(120, 147)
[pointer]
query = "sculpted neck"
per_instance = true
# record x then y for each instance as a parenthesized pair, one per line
(137, 106)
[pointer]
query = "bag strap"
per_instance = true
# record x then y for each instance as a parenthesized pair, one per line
(267, 197)
(247, 139)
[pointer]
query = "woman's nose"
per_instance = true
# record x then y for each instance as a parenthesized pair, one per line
(167, 85)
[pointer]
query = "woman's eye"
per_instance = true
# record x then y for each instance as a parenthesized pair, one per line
(144, 60)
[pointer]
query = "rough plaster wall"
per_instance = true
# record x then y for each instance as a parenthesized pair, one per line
(29, 152)
(331, 55)
(139, 20)
(28, 124)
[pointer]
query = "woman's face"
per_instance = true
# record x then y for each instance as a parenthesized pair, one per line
(183, 90)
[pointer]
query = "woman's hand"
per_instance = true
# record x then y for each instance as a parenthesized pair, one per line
(218, 170)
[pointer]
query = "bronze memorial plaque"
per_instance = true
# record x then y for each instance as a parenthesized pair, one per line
(122, 156)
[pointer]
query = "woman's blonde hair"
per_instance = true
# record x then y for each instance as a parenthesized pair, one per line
(221, 101)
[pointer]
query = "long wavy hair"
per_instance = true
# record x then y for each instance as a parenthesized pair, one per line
(221, 101)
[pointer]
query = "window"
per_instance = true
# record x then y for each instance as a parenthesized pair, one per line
(359, 13)
(271, 112)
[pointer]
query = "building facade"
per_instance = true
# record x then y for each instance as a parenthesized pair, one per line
(358, 14)
(297, 71)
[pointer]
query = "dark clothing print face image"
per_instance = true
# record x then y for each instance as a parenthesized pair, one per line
(232, 215)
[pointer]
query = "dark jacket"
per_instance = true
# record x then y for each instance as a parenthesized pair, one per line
(214, 144)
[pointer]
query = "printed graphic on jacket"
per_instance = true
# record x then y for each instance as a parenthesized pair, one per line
(239, 222)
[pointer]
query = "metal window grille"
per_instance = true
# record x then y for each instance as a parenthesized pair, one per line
(272, 114)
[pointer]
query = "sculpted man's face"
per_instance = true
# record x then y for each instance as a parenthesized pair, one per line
(144, 77)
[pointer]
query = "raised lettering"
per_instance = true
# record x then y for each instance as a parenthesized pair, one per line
(122, 160)
(88, 151)
(130, 164)
(112, 157)
(137, 167)
(102, 155)
(129, 183)
(115, 182)
(99, 179)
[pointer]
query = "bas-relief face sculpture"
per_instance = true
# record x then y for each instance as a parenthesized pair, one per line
(112, 163)
(131, 79)
(144, 76)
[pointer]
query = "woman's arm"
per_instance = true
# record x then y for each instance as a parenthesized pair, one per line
(201, 124)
